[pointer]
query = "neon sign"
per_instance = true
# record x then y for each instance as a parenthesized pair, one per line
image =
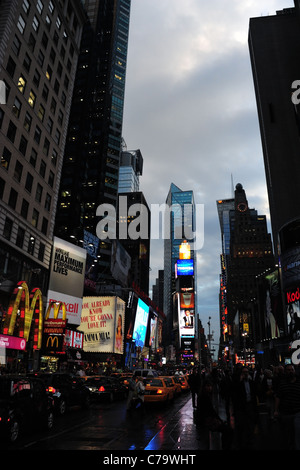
(19, 303)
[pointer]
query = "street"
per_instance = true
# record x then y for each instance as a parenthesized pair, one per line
(107, 426)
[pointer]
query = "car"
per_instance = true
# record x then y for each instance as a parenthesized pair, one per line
(24, 405)
(170, 383)
(66, 389)
(145, 373)
(158, 390)
(176, 385)
(182, 380)
(106, 388)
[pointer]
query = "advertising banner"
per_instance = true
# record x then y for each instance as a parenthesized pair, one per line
(140, 324)
(102, 322)
(67, 277)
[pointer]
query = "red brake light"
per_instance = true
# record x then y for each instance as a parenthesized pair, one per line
(101, 389)
(51, 389)
(160, 391)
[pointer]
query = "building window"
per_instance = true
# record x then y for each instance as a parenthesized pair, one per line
(44, 227)
(26, 6)
(24, 208)
(11, 131)
(54, 157)
(35, 24)
(11, 67)
(46, 146)
(45, 92)
(41, 113)
(35, 218)
(21, 24)
(27, 121)
(17, 107)
(20, 237)
(41, 252)
(31, 245)
(2, 186)
(36, 78)
(48, 202)
(16, 45)
(31, 42)
(32, 99)
(13, 196)
(23, 145)
(39, 6)
(43, 169)
(51, 179)
(33, 157)
(37, 134)
(21, 84)
(5, 159)
(39, 192)
(18, 171)
(29, 181)
(27, 62)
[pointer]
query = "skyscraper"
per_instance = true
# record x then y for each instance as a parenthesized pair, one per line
(131, 168)
(92, 155)
(39, 46)
(274, 44)
(180, 223)
(250, 254)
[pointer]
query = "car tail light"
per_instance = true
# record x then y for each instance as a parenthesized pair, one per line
(160, 391)
(101, 389)
(51, 389)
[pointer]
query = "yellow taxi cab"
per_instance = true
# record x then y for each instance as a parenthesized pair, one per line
(182, 380)
(176, 385)
(158, 389)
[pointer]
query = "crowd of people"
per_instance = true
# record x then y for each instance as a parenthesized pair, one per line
(256, 402)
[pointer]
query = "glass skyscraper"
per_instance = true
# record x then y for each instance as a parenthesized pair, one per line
(181, 216)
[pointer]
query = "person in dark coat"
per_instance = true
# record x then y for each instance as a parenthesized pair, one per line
(245, 409)
(206, 416)
(194, 381)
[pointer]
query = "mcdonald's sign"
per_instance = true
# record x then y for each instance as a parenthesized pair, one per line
(30, 309)
(56, 308)
(51, 342)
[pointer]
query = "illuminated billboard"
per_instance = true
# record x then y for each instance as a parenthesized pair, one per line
(102, 322)
(185, 267)
(140, 324)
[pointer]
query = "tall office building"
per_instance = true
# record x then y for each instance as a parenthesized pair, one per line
(39, 47)
(131, 168)
(250, 254)
(92, 154)
(274, 43)
(180, 224)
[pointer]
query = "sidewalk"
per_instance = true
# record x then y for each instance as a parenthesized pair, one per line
(181, 433)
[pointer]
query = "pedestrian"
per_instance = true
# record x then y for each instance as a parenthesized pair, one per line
(207, 417)
(140, 387)
(132, 393)
(194, 381)
(267, 392)
(245, 410)
(287, 408)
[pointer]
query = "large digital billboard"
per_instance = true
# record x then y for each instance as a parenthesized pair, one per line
(140, 324)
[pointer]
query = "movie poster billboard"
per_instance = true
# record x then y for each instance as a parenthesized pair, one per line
(102, 322)
(67, 277)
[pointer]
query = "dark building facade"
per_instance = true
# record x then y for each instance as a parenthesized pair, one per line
(92, 155)
(250, 254)
(39, 47)
(274, 44)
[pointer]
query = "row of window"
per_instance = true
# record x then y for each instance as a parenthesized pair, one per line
(20, 239)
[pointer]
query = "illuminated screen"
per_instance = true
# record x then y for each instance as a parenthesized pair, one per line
(185, 267)
(140, 324)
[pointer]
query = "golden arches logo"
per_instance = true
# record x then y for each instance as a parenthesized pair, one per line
(19, 303)
(52, 340)
(56, 308)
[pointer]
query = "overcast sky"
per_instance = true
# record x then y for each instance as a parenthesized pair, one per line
(190, 108)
